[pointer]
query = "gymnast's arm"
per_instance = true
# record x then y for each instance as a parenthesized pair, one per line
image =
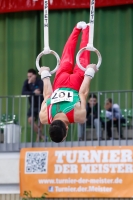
(47, 88)
(85, 86)
(47, 91)
(84, 91)
(83, 94)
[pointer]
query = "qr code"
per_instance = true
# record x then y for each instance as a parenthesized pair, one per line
(36, 162)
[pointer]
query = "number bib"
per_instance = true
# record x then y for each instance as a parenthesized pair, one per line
(61, 95)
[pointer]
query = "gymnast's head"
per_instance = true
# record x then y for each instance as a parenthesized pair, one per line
(58, 131)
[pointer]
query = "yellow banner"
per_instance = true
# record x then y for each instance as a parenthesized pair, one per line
(77, 172)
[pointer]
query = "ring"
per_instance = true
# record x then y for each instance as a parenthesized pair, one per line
(45, 53)
(88, 49)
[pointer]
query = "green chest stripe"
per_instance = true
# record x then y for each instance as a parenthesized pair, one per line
(64, 106)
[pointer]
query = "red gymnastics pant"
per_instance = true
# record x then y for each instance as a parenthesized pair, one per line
(67, 75)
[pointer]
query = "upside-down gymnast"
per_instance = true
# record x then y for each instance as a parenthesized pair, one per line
(65, 101)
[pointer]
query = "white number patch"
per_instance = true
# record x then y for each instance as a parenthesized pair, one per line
(61, 95)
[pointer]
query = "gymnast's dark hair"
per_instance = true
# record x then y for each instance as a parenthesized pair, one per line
(57, 131)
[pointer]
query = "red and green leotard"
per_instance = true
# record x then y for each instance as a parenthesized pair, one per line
(63, 106)
(69, 76)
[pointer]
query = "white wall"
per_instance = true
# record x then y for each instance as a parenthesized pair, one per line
(9, 173)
